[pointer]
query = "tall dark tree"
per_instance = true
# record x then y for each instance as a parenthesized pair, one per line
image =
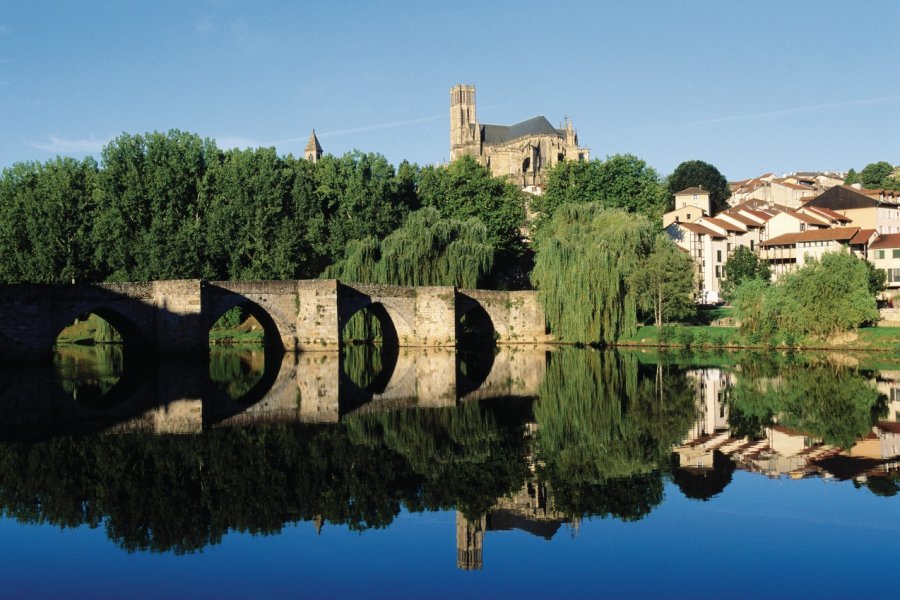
(696, 173)
(46, 211)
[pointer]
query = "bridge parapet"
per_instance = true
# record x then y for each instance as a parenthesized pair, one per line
(174, 317)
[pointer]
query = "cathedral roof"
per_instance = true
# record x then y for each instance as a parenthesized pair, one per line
(499, 134)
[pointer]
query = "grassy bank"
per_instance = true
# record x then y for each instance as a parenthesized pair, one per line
(874, 339)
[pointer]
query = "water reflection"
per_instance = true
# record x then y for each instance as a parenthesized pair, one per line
(797, 417)
(520, 438)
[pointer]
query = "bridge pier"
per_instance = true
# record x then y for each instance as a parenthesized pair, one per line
(173, 318)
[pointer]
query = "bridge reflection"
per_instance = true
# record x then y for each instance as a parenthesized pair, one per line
(180, 397)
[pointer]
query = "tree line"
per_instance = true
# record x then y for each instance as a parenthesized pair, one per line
(173, 205)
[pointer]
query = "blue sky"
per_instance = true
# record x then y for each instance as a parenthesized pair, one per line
(748, 86)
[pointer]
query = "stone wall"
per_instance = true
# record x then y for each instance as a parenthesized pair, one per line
(174, 317)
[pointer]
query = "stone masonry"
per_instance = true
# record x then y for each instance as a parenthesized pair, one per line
(174, 317)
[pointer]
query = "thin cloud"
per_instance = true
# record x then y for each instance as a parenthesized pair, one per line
(64, 146)
(363, 129)
(796, 111)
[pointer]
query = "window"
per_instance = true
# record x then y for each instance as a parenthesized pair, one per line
(895, 253)
(689, 216)
(879, 254)
(751, 245)
(893, 275)
(718, 256)
(718, 270)
(802, 226)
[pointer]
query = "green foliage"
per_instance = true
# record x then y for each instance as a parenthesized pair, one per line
(465, 189)
(743, 265)
(877, 278)
(172, 205)
(836, 404)
(874, 175)
(230, 319)
(467, 455)
(664, 282)
(45, 221)
(603, 422)
(696, 173)
(621, 181)
(822, 299)
(235, 372)
(585, 259)
(427, 250)
(852, 177)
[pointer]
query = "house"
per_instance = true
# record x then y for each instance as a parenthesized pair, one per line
(690, 204)
(884, 253)
(708, 248)
(790, 251)
(868, 209)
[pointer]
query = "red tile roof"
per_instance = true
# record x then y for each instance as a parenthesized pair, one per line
(701, 230)
(831, 214)
(723, 224)
(887, 240)
(807, 218)
(692, 190)
(840, 234)
(862, 236)
(758, 214)
(740, 219)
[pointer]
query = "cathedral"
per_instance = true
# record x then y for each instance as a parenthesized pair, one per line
(523, 152)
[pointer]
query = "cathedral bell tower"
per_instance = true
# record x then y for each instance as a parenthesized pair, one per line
(464, 131)
(313, 151)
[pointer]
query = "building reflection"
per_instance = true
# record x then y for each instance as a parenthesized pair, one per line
(530, 509)
(780, 450)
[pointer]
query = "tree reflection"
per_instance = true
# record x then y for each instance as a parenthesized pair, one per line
(606, 427)
(835, 403)
(468, 455)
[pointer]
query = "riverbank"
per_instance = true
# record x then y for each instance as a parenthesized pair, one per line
(867, 339)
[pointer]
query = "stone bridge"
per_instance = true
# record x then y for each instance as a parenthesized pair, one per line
(178, 397)
(174, 317)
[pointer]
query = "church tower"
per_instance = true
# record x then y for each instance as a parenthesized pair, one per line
(464, 131)
(313, 150)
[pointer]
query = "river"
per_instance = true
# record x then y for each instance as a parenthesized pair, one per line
(523, 471)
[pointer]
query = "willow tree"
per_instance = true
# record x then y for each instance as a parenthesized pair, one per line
(585, 257)
(427, 250)
(605, 430)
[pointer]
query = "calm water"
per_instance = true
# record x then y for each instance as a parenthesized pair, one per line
(520, 472)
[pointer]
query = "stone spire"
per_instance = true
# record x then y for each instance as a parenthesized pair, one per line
(313, 150)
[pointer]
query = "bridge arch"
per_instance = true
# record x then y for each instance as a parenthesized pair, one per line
(366, 365)
(135, 330)
(271, 303)
(271, 330)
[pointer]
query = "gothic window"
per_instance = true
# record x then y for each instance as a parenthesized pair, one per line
(560, 157)
(526, 164)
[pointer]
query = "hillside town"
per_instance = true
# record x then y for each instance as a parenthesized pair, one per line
(787, 221)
